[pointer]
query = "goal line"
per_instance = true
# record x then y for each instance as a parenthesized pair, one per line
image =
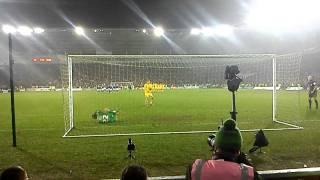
(289, 127)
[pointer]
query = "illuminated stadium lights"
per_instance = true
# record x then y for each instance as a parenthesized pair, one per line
(79, 30)
(25, 30)
(223, 30)
(283, 16)
(8, 29)
(158, 31)
(207, 31)
(38, 30)
(195, 31)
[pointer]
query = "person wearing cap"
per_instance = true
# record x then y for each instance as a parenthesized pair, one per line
(224, 164)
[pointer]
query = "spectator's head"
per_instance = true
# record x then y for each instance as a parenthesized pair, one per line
(14, 173)
(134, 172)
(228, 138)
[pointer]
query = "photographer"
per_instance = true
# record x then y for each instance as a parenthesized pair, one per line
(227, 161)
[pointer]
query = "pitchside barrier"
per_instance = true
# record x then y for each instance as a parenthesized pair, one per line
(288, 174)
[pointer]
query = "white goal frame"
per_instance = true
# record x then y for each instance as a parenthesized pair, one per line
(69, 115)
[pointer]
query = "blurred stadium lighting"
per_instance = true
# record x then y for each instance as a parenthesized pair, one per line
(158, 31)
(79, 30)
(25, 30)
(8, 29)
(283, 15)
(195, 31)
(223, 30)
(144, 30)
(207, 31)
(38, 30)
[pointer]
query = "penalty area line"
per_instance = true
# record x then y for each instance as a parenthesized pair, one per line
(168, 133)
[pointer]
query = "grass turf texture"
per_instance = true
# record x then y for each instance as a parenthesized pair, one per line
(46, 155)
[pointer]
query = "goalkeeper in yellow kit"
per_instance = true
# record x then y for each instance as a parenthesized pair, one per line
(148, 93)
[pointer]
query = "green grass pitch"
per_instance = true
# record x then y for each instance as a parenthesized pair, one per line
(46, 155)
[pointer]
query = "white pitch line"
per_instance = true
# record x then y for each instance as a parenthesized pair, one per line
(167, 133)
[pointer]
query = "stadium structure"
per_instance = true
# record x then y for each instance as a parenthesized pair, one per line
(111, 72)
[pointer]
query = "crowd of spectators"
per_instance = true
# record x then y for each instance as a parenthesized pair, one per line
(89, 75)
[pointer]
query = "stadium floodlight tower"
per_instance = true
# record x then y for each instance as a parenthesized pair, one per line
(195, 31)
(158, 31)
(24, 31)
(79, 31)
(261, 74)
(38, 30)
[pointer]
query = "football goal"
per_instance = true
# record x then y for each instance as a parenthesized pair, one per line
(189, 93)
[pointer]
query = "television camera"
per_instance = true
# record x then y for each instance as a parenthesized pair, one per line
(233, 82)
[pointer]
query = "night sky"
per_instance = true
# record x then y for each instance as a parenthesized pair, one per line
(122, 13)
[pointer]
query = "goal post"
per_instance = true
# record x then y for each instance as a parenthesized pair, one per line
(287, 78)
(84, 73)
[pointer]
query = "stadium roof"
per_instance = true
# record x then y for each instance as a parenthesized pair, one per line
(115, 27)
(122, 13)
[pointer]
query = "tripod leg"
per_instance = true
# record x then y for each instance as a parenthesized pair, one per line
(131, 156)
(234, 111)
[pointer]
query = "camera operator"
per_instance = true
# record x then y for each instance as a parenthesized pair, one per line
(227, 161)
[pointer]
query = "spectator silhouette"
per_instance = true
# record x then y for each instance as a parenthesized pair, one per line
(14, 173)
(134, 172)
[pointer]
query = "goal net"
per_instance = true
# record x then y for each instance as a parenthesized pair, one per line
(189, 93)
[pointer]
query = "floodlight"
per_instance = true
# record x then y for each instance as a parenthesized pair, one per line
(144, 30)
(195, 31)
(79, 30)
(223, 30)
(283, 16)
(38, 30)
(25, 30)
(207, 31)
(158, 31)
(8, 29)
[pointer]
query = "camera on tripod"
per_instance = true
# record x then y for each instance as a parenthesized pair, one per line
(131, 147)
(233, 81)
